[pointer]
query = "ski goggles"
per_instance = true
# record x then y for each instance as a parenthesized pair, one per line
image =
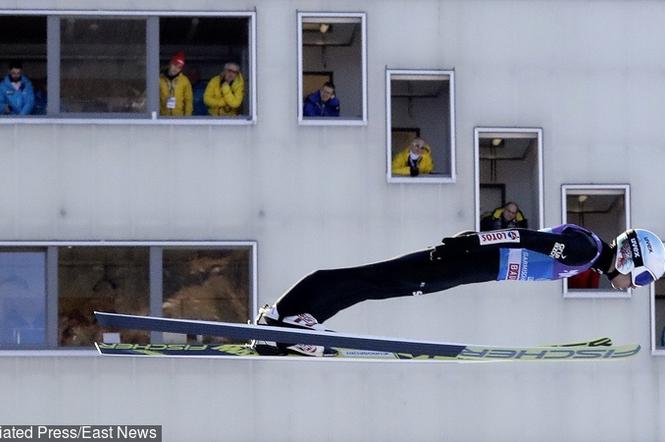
(629, 262)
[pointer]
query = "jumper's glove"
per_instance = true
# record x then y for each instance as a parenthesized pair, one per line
(413, 167)
(451, 248)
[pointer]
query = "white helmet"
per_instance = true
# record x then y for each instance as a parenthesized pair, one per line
(641, 254)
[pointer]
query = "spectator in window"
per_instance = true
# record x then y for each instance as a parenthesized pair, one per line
(225, 92)
(322, 103)
(414, 159)
(507, 217)
(175, 90)
(16, 94)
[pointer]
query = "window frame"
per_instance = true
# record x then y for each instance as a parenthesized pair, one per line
(331, 121)
(482, 130)
(599, 188)
(155, 251)
(655, 351)
(150, 117)
(427, 74)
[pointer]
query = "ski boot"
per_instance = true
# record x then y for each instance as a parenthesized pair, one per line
(268, 315)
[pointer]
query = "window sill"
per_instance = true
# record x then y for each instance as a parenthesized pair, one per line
(331, 121)
(592, 293)
(173, 121)
(430, 179)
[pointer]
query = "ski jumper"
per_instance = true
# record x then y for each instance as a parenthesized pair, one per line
(514, 254)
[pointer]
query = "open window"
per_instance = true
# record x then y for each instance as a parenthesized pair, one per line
(605, 210)
(657, 291)
(420, 126)
(86, 65)
(332, 69)
(24, 43)
(509, 169)
(216, 50)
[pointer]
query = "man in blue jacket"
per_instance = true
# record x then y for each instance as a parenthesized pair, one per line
(322, 103)
(16, 94)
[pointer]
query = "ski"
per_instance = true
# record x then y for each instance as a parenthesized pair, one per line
(470, 353)
(363, 346)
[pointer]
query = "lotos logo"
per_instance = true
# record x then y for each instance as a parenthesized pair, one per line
(498, 237)
(635, 247)
(513, 272)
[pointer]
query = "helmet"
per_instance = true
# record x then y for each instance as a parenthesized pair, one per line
(641, 254)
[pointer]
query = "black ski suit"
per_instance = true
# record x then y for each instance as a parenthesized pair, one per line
(465, 259)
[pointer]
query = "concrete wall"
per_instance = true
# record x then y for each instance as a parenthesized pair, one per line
(590, 73)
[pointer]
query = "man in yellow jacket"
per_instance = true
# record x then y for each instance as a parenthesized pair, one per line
(414, 159)
(175, 90)
(225, 92)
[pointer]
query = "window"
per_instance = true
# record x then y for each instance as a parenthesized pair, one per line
(104, 66)
(509, 169)
(212, 46)
(420, 112)
(332, 67)
(48, 294)
(208, 284)
(657, 291)
(603, 209)
(22, 298)
(24, 40)
(112, 279)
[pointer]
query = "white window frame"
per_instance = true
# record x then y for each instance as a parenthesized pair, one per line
(152, 119)
(329, 17)
(598, 189)
(484, 132)
(52, 268)
(655, 335)
(421, 74)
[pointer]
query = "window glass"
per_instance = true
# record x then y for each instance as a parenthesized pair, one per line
(208, 284)
(421, 140)
(215, 52)
(112, 279)
(24, 45)
(102, 65)
(332, 75)
(22, 298)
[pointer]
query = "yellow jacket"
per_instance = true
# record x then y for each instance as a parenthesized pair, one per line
(222, 99)
(400, 165)
(181, 89)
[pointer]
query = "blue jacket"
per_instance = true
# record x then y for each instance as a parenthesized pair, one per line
(314, 107)
(20, 101)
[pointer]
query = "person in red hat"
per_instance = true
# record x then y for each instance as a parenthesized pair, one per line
(175, 90)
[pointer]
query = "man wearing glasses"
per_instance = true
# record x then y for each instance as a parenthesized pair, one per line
(507, 217)
(225, 92)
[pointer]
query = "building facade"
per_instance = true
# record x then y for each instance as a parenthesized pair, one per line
(109, 202)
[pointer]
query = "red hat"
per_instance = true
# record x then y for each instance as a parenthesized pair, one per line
(178, 59)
